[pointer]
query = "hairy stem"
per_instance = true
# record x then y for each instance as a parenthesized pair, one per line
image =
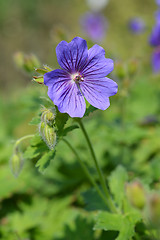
(23, 138)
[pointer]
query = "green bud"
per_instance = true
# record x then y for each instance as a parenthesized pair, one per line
(19, 59)
(120, 70)
(48, 116)
(16, 163)
(132, 67)
(154, 209)
(48, 134)
(26, 62)
(136, 194)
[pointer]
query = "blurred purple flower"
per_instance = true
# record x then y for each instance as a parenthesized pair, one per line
(157, 16)
(156, 60)
(137, 25)
(82, 76)
(155, 35)
(94, 26)
(158, 2)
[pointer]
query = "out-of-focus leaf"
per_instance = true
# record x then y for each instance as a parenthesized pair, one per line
(93, 201)
(44, 161)
(117, 183)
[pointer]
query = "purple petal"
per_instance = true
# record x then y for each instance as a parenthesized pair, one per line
(98, 91)
(72, 56)
(97, 65)
(65, 93)
(155, 35)
(158, 2)
(156, 61)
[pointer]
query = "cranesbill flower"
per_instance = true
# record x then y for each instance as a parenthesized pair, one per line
(83, 76)
(156, 60)
(155, 35)
(94, 26)
(137, 25)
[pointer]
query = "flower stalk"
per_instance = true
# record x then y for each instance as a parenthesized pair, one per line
(101, 177)
(86, 172)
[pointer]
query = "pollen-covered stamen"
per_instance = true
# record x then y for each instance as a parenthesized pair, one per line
(77, 77)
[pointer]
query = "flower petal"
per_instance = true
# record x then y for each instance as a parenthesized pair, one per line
(72, 56)
(54, 80)
(97, 64)
(98, 91)
(156, 61)
(65, 93)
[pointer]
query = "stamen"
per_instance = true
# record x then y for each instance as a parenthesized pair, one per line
(77, 77)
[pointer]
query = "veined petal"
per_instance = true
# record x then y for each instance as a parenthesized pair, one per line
(65, 93)
(70, 100)
(72, 56)
(98, 91)
(54, 80)
(97, 64)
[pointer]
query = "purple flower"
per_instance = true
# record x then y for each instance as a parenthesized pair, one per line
(94, 25)
(158, 2)
(82, 76)
(156, 60)
(157, 16)
(137, 25)
(155, 35)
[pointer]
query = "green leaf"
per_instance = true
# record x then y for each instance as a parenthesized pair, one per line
(108, 221)
(38, 79)
(93, 201)
(89, 110)
(35, 121)
(44, 161)
(31, 152)
(60, 121)
(36, 140)
(117, 184)
(124, 224)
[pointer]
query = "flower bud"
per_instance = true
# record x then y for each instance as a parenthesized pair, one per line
(154, 209)
(120, 70)
(16, 163)
(26, 62)
(48, 135)
(132, 67)
(136, 194)
(48, 116)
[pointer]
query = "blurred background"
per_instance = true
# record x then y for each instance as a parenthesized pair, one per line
(50, 206)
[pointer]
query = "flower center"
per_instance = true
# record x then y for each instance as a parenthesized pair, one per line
(77, 77)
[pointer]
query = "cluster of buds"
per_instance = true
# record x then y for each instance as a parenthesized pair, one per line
(26, 62)
(47, 129)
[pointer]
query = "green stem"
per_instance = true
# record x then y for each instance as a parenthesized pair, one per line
(101, 178)
(86, 172)
(21, 139)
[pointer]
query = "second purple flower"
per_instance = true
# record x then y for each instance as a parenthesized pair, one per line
(83, 76)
